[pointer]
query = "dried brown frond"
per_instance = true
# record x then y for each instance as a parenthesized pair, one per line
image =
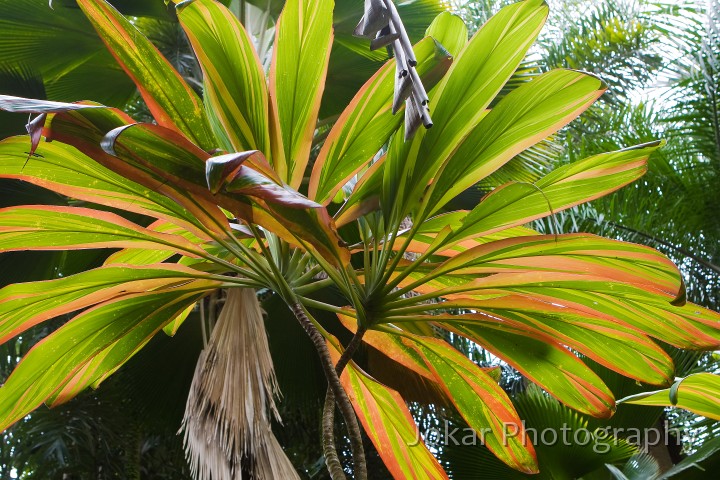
(227, 415)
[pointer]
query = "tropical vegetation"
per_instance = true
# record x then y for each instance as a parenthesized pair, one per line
(249, 188)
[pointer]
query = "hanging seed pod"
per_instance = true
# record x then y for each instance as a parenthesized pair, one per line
(382, 20)
(400, 28)
(403, 89)
(375, 18)
(418, 88)
(413, 119)
(384, 38)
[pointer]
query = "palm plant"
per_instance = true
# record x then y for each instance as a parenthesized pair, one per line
(221, 176)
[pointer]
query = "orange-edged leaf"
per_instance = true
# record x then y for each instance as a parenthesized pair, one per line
(171, 156)
(427, 234)
(40, 227)
(143, 256)
(515, 204)
(550, 365)
(24, 305)
(617, 347)
(234, 80)
(63, 169)
(462, 97)
(689, 326)
(387, 421)
(303, 37)
(166, 150)
(698, 393)
(227, 173)
(86, 129)
(367, 123)
(170, 99)
(392, 346)
(601, 258)
(482, 403)
(54, 367)
(525, 116)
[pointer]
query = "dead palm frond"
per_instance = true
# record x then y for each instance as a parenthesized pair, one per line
(231, 402)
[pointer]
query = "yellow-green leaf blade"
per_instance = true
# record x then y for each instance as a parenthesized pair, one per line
(525, 116)
(235, 87)
(515, 204)
(481, 402)
(57, 359)
(62, 228)
(301, 52)
(550, 365)
(24, 305)
(170, 99)
(699, 393)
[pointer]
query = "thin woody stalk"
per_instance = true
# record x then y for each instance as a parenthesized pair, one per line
(328, 424)
(339, 395)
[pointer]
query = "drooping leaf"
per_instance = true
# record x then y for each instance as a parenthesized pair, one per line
(38, 227)
(393, 347)
(170, 99)
(699, 393)
(228, 174)
(45, 371)
(86, 130)
(65, 170)
(387, 421)
(24, 305)
(235, 87)
(160, 158)
(552, 366)
(303, 37)
(481, 402)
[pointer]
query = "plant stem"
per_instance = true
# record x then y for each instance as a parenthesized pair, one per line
(332, 461)
(328, 419)
(343, 402)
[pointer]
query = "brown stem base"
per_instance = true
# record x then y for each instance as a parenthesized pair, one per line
(340, 397)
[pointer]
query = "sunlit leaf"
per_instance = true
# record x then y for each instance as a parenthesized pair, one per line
(303, 36)
(387, 421)
(45, 371)
(170, 99)
(699, 393)
(235, 87)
